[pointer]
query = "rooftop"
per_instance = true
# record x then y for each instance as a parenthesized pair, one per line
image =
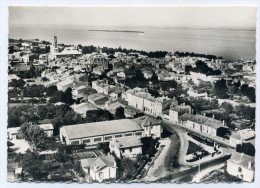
(127, 142)
(100, 128)
(243, 160)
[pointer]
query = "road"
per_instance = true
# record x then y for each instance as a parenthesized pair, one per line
(162, 165)
(187, 172)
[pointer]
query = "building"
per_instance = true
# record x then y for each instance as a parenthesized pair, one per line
(101, 86)
(100, 168)
(82, 108)
(151, 125)
(48, 129)
(13, 133)
(94, 133)
(197, 94)
(143, 101)
(65, 84)
(177, 111)
(98, 99)
(241, 166)
(241, 136)
(201, 124)
(126, 147)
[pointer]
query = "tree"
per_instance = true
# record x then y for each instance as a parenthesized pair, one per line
(228, 107)
(154, 78)
(98, 115)
(19, 84)
(33, 134)
(67, 96)
(221, 89)
(120, 113)
(51, 90)
(246, 148)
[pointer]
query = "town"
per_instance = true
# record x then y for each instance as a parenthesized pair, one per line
(98, 114)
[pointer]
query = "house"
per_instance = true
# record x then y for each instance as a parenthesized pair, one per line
(201, 124)
(65, 84)
(196, 93)
(94, 133)
(100, 168)
(241, 166)
(127, 73)
(151, 125)
(141, 100)
(101, 86)
(126, 147)
(98, 99)
(98, 70)
(48, 129)
(82, 108)
(241, 136)
(13, 133)
(147, 73)
(21, 70)
(177, 111)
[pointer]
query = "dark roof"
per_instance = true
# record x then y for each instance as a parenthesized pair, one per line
(129, 72)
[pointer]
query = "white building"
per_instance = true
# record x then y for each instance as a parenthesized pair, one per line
(126, 147)
(94, 133)
(143, 101)
(100, 168)
(241, 136)
(151, 125)
(65, 84)
(241, 166)
(101, 86)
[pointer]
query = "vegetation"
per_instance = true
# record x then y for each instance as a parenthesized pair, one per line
(33, 133)
(120, 113)
(246, 148)
(221, 89)
(192, 54)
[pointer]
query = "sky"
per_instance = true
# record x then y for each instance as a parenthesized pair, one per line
(209, 17)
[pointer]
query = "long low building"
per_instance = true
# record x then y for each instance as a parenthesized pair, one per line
(94, 133)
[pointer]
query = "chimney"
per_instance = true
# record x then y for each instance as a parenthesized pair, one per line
(249, 164)
(213, 116)
(204, 114)
(223, 122)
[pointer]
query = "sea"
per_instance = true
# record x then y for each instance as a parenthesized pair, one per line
(231, 44)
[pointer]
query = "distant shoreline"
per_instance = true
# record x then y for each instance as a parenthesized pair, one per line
(119, 31)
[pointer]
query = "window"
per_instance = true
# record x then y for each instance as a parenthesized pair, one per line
(86, 141)
(118, 135)
(97, 139)
(130, 149)
(151, 127)
(123, 150)
(101, 175)
(239, 169)
(128, 134)
(138, 133)
(75, 142)
(108, 138)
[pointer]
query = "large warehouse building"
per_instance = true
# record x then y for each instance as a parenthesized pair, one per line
(94, 133)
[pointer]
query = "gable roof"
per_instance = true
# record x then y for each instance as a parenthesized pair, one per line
(211, 122)
(145, 121)
(101, 128)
